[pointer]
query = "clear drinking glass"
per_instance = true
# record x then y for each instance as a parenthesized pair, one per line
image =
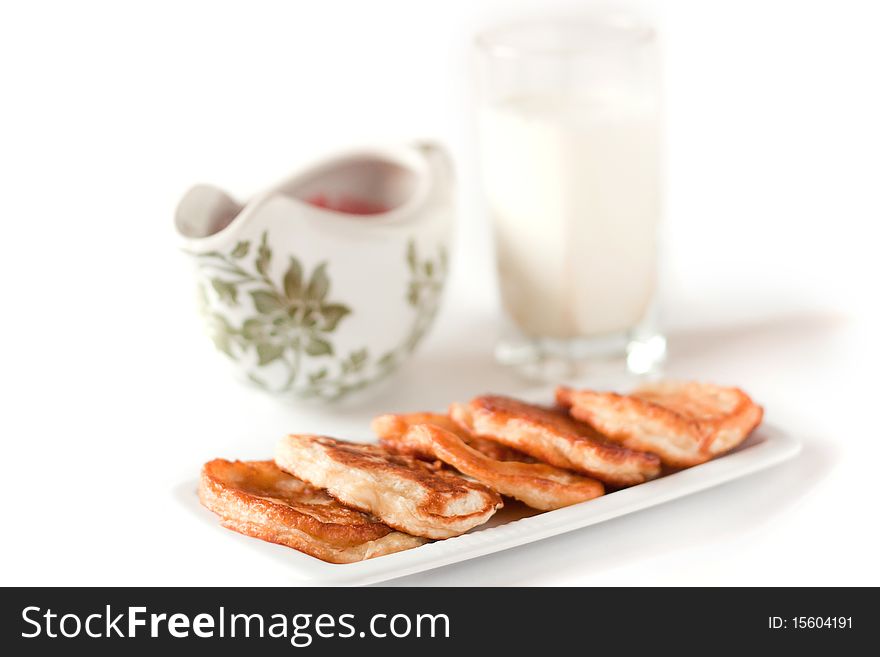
(570, 151)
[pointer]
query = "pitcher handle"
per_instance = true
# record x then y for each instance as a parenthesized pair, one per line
(439, 162)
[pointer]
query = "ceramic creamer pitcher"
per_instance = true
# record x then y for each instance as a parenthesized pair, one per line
(325, 283)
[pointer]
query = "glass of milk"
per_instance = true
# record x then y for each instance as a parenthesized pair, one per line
(570, 154)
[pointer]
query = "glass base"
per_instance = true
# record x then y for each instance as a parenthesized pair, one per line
(608, 360)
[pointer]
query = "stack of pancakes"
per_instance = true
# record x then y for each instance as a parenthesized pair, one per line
(434, 476)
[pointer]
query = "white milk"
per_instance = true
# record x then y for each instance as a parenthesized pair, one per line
(574, 195)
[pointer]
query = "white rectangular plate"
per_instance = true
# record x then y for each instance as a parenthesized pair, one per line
(516, 525)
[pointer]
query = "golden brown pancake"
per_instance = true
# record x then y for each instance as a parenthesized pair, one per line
(401, 491)
(388, 427)
(686, 423)
(538, 485)
(258, 499)
(552, 437)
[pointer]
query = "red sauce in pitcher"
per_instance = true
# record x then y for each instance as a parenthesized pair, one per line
(347, 204)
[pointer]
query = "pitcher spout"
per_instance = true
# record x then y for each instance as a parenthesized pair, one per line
(205, 210)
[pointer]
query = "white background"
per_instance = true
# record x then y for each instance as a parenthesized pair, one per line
(112, 397)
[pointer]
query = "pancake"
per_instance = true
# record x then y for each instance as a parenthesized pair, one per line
(391, 426)
(258, 499)
(538, 485)
(549, 435)
(401, 491)
(686, 423)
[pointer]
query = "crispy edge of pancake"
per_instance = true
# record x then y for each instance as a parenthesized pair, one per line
(671, 419)
(391, 425)
(402, 491)
(553, 437)
(538, 485)
(258, 499)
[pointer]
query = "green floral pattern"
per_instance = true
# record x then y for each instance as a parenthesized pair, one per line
(293, 320)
